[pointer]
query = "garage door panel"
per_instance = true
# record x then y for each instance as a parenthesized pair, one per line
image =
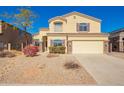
(89, 47)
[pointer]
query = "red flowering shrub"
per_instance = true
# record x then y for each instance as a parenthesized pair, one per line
(30, 51)
(35, 48)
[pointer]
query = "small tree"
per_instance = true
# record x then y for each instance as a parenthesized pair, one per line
(24, 18)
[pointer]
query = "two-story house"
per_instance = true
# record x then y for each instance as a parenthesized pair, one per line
(116, 38)
(78, 32)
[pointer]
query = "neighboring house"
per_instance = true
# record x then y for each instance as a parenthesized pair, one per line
(12, 37)
(117, 40)
(78, 32)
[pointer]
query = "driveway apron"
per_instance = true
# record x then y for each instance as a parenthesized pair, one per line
(106, 70)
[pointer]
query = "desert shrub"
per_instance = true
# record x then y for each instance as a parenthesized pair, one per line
(30, 51)
(2, 54)
(52, 55)
(35, 48)
(51, 49)
(10, 55)
(61, 49)
(7, 54)
(57, 49)
(71, 65)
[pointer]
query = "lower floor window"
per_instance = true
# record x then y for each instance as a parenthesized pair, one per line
(57, 42)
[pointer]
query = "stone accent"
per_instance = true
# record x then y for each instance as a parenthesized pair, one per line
(106, 46)
(121, 46)
(69, 50)
(110, 47)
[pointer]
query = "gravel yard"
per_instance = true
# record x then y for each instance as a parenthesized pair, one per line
(42, 70)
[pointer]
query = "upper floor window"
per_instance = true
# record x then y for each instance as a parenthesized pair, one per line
(58, 27)
(83, 26)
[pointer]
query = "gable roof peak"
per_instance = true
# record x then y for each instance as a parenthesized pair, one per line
(118, 30)
(81, 14)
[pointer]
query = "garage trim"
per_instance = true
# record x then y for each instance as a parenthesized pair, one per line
(99, 46)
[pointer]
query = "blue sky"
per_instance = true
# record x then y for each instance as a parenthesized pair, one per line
(112, 16)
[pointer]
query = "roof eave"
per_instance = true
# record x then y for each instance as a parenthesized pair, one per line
(93, 18)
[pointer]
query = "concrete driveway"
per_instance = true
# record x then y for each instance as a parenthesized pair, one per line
(105, 69)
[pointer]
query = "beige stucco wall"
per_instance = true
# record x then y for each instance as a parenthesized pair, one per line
(89, 38)
(69, 26)
(40, 34)
(77, 38)
(38, 37)
(43, 33)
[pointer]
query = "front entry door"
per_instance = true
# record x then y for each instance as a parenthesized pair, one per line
(44, 44)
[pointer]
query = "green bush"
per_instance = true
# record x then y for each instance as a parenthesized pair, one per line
(57, 49)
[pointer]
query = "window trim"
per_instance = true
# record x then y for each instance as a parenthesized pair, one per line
(53, 41)
(78, 27)
(55, 26)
